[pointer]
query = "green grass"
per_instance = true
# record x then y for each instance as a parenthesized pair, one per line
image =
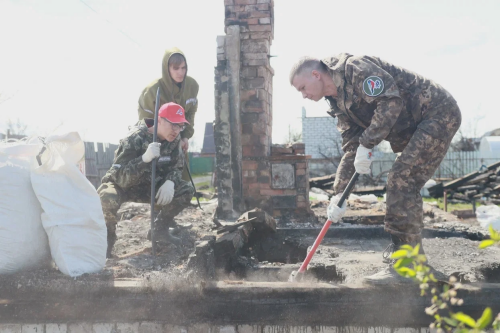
(451, 206)
(197, 175)
(207, 183)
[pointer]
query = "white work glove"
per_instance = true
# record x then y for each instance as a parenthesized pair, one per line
(335, 212)
(152, 152)
(165, 193)
(363, 160)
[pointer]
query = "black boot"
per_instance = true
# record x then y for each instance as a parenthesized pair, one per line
(176, 228)
(163, 234)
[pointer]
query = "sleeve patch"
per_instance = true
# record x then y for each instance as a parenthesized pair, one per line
(164, 159)
(373, 86)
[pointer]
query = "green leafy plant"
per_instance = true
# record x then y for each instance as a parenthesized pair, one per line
(410, 264)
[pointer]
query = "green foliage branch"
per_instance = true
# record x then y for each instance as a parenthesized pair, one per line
(410, 264)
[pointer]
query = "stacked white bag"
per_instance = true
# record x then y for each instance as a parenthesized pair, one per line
(23, 242)
(72, 214)
(488, 215)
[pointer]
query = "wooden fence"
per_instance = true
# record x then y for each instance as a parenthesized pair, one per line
(454, 165)
(98, 159)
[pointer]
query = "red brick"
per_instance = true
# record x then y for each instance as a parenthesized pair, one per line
(245, 2)
(249, 165)
(246, 129)
(300, 172)
(300, 166)
(301, 198)
(276, 213)
(250, 109)
(245, 139)
(271, 192)
(301, 204)
(254, 193)
(263, 6)
(264, 173)
(258, 82)
(265, 186)
(262, 166)
(260, 129)
(264, 140)
(265, 20)
(254, 151)
(249, 72)
(280, 150)
(262, 27)
(249, 180)
(236, 8)
(290, 192)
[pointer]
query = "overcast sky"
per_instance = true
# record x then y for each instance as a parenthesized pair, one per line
(65, 66)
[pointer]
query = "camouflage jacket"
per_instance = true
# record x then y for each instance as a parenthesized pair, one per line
(379, 101)
(128, 169)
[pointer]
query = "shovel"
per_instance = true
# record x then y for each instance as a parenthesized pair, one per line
(153, 173)
(297, 275)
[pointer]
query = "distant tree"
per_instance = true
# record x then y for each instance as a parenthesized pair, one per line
(463, 143)
(293, 136)
(467, 137)
(16, 128)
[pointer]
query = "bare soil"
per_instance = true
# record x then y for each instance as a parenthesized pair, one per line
(353, 260)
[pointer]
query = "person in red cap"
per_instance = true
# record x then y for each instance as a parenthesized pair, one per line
(129, 178)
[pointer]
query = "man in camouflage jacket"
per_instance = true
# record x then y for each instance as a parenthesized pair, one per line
(374, 100)
(129, 178)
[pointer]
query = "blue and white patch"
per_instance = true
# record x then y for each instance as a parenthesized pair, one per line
(164, 159)
(116, 166)
(192, 100)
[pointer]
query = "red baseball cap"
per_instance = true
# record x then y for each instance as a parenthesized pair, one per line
(173, 113)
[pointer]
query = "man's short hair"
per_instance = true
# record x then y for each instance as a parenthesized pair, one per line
(307, 64)
(176, 59)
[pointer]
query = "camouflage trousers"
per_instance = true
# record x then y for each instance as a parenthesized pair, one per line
(414, 167)
(112, 196)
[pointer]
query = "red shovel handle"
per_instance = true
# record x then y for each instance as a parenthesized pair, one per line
(327, 224)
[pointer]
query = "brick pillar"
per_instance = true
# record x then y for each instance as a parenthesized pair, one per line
(222, 133)
(243, 99)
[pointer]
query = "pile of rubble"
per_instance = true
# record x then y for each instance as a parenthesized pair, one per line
(481, 186)
(325, 183)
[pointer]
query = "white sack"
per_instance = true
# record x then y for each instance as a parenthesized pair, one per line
(487, 215)
(23, 242)
(72, 213)
(368, 198)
